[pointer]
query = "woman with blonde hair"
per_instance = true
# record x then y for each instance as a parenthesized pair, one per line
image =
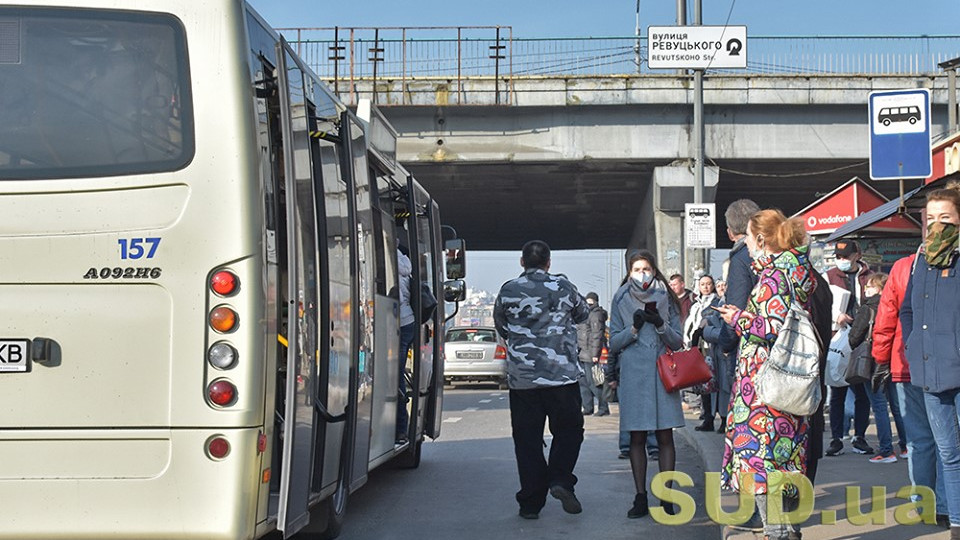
(760, 439)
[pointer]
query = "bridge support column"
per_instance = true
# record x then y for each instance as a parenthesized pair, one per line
(672, 188)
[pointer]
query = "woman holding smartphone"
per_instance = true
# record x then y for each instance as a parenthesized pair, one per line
(644, 321)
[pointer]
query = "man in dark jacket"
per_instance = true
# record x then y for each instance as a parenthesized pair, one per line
(821, 307)
(590, 334)
(740, 276)
(850, 274)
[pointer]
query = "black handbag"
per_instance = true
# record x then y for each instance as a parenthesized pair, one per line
(861, 366)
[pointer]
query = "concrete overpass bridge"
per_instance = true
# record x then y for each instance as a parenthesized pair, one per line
(599, 157)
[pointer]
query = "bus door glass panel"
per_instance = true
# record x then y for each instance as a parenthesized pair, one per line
(435, 403)
(339, 301)
(302, 297)
(427, 262)
(366, 275)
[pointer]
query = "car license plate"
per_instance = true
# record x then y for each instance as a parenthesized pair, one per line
(14, 355)
(470, 355)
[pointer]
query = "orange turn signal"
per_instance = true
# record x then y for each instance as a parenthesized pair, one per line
(223, 319)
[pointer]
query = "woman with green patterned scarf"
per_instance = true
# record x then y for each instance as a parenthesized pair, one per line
(930, 317)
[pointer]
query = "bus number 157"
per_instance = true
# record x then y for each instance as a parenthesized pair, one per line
(134, 248)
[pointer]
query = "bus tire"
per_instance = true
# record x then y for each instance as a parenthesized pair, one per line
(411, 458)
(327, 517)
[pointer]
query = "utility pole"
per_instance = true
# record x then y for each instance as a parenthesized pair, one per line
(636, 45)
(950, 66)
(699, 255)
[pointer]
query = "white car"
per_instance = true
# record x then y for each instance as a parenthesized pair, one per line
(475, 354)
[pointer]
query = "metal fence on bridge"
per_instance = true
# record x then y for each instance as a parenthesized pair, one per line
(348, 55)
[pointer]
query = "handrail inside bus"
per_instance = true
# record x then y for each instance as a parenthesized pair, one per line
(321, 409)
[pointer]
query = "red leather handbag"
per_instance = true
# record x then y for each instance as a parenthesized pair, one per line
(683, 369)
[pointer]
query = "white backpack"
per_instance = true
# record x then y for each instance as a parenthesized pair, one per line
(789, 380)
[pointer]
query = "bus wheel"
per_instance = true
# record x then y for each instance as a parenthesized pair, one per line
(326, 518)
(411, 458)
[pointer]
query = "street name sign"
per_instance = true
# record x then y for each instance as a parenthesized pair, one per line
(701, 225)
(900, 134)
(697, 47)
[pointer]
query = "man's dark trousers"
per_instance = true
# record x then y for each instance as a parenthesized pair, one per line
(529, 410)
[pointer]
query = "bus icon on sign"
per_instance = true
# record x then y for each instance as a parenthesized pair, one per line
(889, 115)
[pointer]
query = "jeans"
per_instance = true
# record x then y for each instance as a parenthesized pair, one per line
(529, 410)
(589, 390)
(624, 442)
(406, 339)
(923, 460)
(942, 412)
(879, 402)
(861, 417)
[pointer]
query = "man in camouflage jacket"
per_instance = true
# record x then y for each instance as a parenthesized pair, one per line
(536, 314)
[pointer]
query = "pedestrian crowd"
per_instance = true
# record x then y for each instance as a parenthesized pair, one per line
(886, 344)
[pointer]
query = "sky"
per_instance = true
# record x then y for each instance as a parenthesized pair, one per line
(602, 270)
(576, 18)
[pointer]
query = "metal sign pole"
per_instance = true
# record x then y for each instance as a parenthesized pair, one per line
(699, 255)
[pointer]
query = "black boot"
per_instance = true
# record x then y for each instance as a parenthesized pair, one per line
(640, 507)
(723, 426)
(707, 425)
(669, 507)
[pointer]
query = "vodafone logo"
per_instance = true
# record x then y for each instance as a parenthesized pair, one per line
(836, 219)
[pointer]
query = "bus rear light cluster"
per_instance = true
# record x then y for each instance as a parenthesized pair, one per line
(224, 283)
(223, 319)
(222, 355)
(222, 392)
(218, 447)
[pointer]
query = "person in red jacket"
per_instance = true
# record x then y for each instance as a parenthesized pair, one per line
(923, 460)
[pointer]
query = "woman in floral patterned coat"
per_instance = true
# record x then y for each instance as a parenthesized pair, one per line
(760, 439)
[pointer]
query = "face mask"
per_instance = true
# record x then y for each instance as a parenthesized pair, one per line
(844, 265)
(643, 280)
(870, 291)
(940, 244)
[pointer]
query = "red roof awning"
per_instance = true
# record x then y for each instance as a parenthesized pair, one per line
(851, 199)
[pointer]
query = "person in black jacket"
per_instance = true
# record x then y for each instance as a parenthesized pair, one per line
(821, 313)
(859, 332)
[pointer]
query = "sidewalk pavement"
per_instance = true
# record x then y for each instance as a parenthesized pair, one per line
(834, 475)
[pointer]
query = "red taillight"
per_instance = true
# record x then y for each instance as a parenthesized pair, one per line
(261, 443)
(501, 353)
(223, 319)
(222, 392)
(224, 283)
(218, 447)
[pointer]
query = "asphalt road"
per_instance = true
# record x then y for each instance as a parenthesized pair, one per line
(464, 488)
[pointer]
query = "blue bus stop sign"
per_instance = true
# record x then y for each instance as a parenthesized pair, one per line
(900, 134)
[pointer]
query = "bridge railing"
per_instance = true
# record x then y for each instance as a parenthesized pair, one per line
(346, 56)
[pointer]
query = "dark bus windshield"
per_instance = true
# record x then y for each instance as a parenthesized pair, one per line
(92, 93)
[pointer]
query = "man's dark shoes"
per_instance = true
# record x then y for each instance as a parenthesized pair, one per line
(529, 514)
(723, 426)
(860, 446)
(654, 455)
(602, 413)
(640, 507)
(835, 448)
(707, 425)
(587, 413)
(943, 520)
(566, 497)
(754, 524)
(624, 455)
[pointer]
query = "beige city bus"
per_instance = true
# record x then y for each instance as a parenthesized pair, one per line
(198, 279)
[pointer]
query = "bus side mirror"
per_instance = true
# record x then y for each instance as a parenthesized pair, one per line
(455, 255)
(454, 290)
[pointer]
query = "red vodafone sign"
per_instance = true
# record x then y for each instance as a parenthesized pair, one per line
(846, 202)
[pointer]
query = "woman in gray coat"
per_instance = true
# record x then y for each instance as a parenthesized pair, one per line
(645, 319)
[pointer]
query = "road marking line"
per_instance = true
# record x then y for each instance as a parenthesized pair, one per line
(485, 401)
(453, 419)
(471, 409)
